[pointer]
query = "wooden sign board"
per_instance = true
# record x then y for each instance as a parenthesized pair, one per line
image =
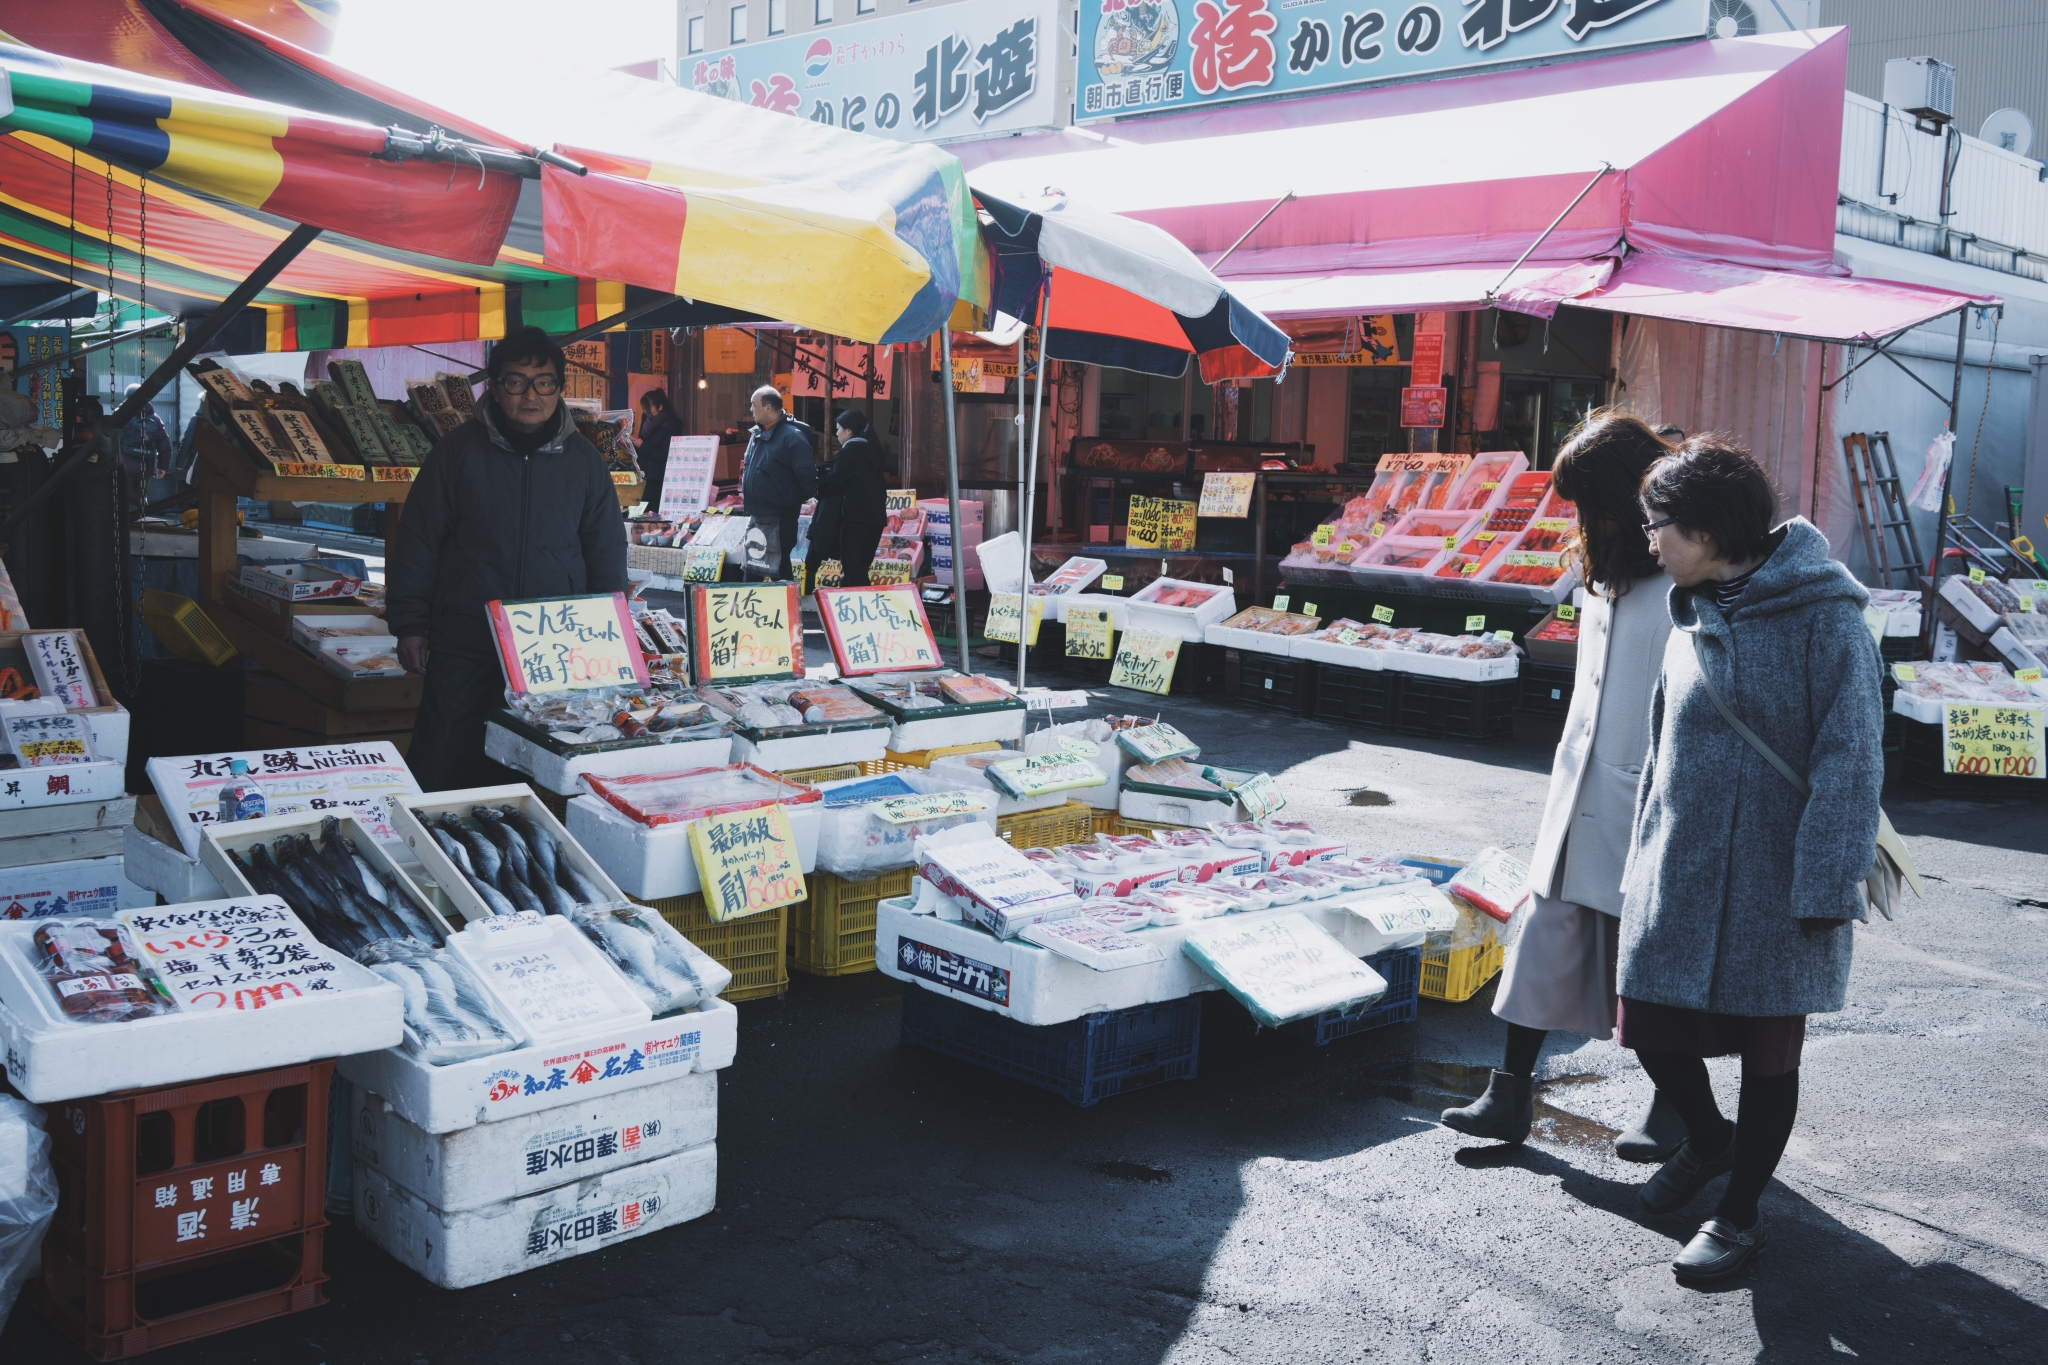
(740, 632)
(557, 644)
(878, 630)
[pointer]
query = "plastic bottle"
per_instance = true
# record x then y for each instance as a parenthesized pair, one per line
(241, 798)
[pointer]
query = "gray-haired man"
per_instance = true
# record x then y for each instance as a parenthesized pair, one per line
(779, 474)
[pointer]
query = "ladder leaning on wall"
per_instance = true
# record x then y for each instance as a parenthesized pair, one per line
(1881, 509)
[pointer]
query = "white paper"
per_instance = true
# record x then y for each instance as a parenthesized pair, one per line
(60, 672)
(1093, 944)
(347, 779)
(241, 954)
(686, 478)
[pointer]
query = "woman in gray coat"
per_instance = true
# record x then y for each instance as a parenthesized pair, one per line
(1739, 890)
(1560, 968)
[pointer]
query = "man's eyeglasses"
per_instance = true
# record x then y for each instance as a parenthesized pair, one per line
(1651, 528)
(542, 384)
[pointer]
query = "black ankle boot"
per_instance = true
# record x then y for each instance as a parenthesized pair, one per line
(1503, 1113)
(1656, 1135)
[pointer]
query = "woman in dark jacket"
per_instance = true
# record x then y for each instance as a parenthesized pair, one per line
(857, 489)
(1740, 886)
(657, 424)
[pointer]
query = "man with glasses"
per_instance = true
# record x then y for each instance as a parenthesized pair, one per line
(778, 475)
(514, 503)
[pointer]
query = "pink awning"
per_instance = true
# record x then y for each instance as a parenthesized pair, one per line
(1535, 288)
(1722, 150)
(1824, 307)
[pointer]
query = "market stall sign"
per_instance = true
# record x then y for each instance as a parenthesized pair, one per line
(728, 350)
(878, 630)
(1428, 358)
(1321, 535)
(1160, 524)
(1226, 495)
(1005, 613)
(394, 473)
(1567, 612)
(888, 573)
(703, 564)
(1280, 601)
(1992, 740)
(1156, 743)
(1422, 405)
(741, 631)
(1476, 624)
(251, 954)
(1383, 614)
(1375, 344)
(1088, 633)
(906, 810)
(686, 476)
(555, 644)
(354, 473)
(1260, 797)
(747, 861)
(899, 499)
(1145, 661)
(1112, 582)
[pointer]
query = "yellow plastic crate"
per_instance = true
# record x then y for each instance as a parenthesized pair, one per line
(830, 773)
(753, 949)
(922, 758)
(1455, 974)
(833, 933)
(1072, 823)
(1102, 821)
(1124, 825)
(185, 629)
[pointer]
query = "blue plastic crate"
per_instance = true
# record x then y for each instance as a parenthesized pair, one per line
(1402, 967)
(1083, 1061)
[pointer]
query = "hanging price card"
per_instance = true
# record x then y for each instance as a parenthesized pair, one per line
(1160, 524)
(1476, 624)
(1567, 612)
(878, 630)
(397, 473)
(1088, 634)
(904, 810)
(1004, 618)
(1226, 495)
(1903, 672)
(1991, 740)
(747, 861)
(1145, 661)
(746, 630)
(559, 643)
(352, 472)
(703, 564)
(1383, 614)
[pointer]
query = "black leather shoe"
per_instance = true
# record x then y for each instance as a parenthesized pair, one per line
(1717, 1251)
(1656, 1136)
(1679, 1180)
(1503, 1113)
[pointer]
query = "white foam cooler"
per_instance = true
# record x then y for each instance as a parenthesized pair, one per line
(652, 861)
(493, 1162)
(458, 1249)
(562, 773)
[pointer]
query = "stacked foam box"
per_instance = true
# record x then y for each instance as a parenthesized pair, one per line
(939, 533)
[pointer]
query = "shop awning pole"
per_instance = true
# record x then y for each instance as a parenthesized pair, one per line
(1030, 479)
(1023, 503)
(953, 494)
(1945, 511)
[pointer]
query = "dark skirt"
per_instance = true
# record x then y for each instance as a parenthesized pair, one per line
(1768, 1044)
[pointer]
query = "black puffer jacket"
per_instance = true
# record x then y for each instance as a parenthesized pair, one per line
(779, 474)
(483, 522)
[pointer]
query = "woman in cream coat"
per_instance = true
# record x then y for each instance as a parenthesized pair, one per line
(1561, 969)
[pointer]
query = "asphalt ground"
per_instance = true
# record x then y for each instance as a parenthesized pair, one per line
(881, 1203)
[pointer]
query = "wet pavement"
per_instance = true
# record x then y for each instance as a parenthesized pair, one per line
(881, 1203)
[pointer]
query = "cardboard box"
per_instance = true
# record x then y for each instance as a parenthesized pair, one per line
(1550, 651)
(299, 582)
(277, 615)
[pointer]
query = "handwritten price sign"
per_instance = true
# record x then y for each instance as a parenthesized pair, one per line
(1160, 524)
(1088, 633)
(746, 630)
(1991, 740)
(560, 643)
(1226, 495)
(1005, 618)
(878, 630)
(1145, 661)
(747, 861)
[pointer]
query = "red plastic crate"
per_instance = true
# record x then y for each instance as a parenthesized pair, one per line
(118, 1317)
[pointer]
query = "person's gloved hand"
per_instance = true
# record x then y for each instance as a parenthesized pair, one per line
(1812, 928)
(412, 654)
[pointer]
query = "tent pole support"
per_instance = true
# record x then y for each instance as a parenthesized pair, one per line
(1942, 514)
(1030, 482)
(953, 494)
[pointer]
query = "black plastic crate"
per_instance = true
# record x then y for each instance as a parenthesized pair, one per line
(1447, 708)
(1355, 696)
(1920, 764)
(1083, 1061)
(1270, 680)
(1547, 689)
(1402, 968)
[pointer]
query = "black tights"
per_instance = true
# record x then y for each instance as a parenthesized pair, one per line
(1523, 1045)
(1763, 1117)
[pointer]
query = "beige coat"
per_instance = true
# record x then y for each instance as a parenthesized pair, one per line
(1583, 842)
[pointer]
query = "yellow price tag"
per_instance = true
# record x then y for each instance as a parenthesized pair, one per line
(1308, 608)
(1450, 542)
(1320, 536)
(747, 861)
(1379, 528)
(1469, 569)
(1506, 637)
(1477, 623)
(2026, 602)
(1903, 672)
(1088, 634)
(1280, 602)
(2028, 675)
(1976, 575)
(1490, 485)
(1991, 740)
(1486, 535)
(1112, 582)
(1383, 615)
(1567, 612)
(1145, 661)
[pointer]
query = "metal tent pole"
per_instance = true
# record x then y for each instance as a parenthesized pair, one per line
(1943, 513)
(1030, 482)
(953, 494)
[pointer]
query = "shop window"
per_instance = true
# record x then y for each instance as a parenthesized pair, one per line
(821, 12)
(1242, 412)
(778, 16)
(696, 33)
(1140, 407)
(863, 6)
(1373, 425)
(739, 24)
(1538, 414)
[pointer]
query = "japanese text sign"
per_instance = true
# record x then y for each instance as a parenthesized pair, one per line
(905, 810)
(686, 479)
(40, 738)
(557, 644)
(747, 861)
(702, 563)
(878, 630)
(1088, 633)
(1422, 405)
(899, 499)
(1160, 524)
(1226, 495)
(60, 671)
(1428, 358)
(233, 954)
(346, 779)
(1145, 661)
(1992, 740)
(746, 630)
(1005, 618)
(1177, 54)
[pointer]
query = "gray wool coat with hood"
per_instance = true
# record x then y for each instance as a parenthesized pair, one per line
(1725, 857)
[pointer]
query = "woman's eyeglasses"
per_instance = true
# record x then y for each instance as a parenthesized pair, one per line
(542, 384)
(1651, 528)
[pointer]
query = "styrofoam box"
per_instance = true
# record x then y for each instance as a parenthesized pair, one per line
(562, 773)
(60, 783)
(493, 1162)
(1039, 987)
(1974, 609)
(1447, 665)
(652, 861)
(1332, 652)
(1175, 810)
(457, 1250)
(1255, 641)
(846, 831)
(156, 866)
(1001, 561)
(1117, 607)
(505, 1085)
(1185, 623)
(1110, 759)
(216, 841)
(1004, 727)
(406, 811)
(790, 752)
(51, 1058)
(77, 886)
(1926, 710)
(318, 633)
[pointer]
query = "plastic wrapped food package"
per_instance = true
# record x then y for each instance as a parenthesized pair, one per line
(784, 702)
(28, 1196)
(94, 971)
(656, 799)
(1173, 906)
(664, 969)
(1283, 968)
(1495, 881)
(1547, 536)
(1977, 682)
(867, 838)
(1094, 944)
(448, 1015)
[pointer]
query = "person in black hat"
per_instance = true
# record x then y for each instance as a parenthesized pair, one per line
(853, 497)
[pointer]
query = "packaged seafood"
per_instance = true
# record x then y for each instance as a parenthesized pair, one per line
(95, 973)
(1003, 891)
(666, 970)
(654, 799)
(1495, 881)
(1095, 944)
(1282, 968)
(449, 1017)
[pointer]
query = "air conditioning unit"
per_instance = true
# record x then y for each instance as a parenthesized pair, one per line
(1924, 87)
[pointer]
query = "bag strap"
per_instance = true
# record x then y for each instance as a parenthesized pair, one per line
(1754, 740)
